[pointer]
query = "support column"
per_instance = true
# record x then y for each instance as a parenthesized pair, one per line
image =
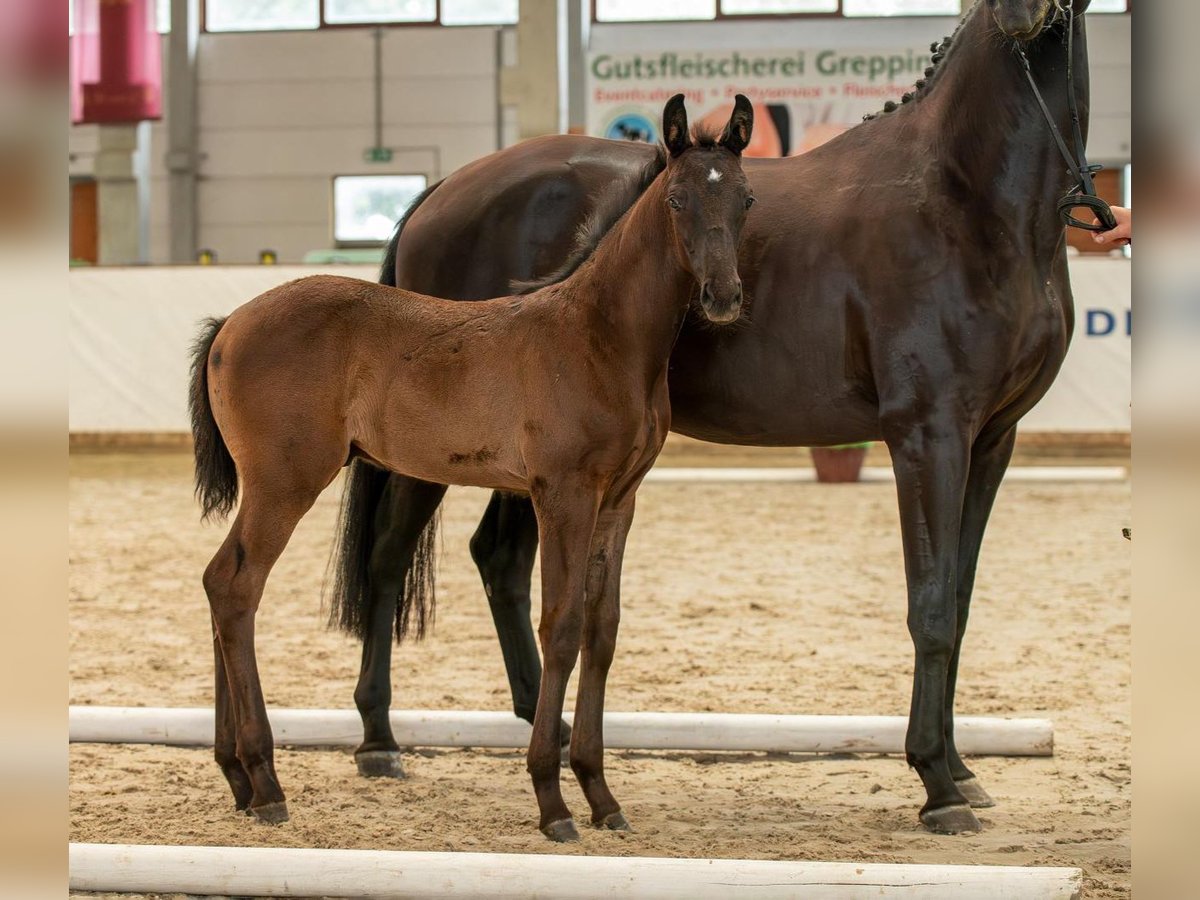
(181, 129)
(123, 194)
(579, 23)
(535, 84)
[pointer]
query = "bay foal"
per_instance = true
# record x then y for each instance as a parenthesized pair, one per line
(560, 393)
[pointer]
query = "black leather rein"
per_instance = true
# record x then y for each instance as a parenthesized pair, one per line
(1083, 193)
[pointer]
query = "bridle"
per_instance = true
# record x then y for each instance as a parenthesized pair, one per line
(1083, 192)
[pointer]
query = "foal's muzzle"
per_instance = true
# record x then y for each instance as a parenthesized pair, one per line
(722, 303)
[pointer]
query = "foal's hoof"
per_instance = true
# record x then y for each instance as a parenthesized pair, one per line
(271, 813)
(974, 793)
(379, 764)
(951, 820)
(613, 822)
(562, 832)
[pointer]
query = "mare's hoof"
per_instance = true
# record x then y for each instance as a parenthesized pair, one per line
(614, 822)
(951, 820)
(974, 793)
(562, 832)
(379, 764)
(271, 813)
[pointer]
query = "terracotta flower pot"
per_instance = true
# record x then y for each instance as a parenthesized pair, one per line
(838, 465)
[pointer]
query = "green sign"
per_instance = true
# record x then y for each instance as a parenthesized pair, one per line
(377, 154)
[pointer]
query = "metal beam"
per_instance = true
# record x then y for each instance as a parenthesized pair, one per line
(181, 106)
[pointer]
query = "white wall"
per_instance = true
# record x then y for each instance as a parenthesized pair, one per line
(280, 114)
(130, 329)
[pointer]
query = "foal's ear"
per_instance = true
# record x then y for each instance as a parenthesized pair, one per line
(675, 126)
(736, 136)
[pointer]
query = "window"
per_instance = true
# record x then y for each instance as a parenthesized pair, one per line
(707, 10)
(649, 10)
(261, 15)
(366, 207)
(354, 12)
(162, 17)
(289, 15)
(479, 12)
(774, 7)
(901, 7)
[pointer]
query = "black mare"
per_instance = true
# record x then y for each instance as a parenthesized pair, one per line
(905, 282)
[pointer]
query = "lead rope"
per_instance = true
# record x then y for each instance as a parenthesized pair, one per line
(1083, 194)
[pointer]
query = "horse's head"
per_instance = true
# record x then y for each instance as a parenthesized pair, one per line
(1023, 20)
(708, 195)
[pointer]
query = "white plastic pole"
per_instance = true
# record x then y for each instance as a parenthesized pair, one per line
(872, 474)
(622, 730)
(277, 872)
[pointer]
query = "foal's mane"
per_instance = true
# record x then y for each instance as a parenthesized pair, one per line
(617, 198)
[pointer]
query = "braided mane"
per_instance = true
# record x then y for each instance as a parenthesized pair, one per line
(921, 88)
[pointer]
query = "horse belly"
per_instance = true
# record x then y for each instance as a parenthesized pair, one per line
(447, 440)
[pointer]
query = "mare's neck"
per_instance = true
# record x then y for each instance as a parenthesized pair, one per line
(634, 289)
(984, 128)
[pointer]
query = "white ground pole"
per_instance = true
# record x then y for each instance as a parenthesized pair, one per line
(875, 474)
(622, 730)
(278, 872)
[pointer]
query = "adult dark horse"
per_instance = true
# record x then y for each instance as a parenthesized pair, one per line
(909, 283)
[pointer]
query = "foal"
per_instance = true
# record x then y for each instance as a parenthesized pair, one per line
(560, 394)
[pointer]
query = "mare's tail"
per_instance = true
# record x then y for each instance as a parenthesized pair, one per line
(216, 474)
(349, 598)
(350, 605)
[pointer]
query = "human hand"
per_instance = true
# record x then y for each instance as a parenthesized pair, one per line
(1122, 234)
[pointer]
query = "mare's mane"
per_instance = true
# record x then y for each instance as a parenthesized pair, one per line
(921, 88)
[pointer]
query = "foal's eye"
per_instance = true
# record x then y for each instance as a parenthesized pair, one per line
(673, 203)
(749, 202)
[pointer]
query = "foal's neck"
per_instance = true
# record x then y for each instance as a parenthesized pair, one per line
(634, 288)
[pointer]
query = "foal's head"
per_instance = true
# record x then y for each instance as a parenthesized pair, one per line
(708, 196)
(1024, 20)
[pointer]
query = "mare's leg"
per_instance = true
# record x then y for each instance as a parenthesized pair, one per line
(234, 583)
(566, 516)
(602, 615)
(504, 548)
(989, 460)
(930, 456)
(406, 507)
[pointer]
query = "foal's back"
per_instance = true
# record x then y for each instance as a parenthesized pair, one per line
(440, 390)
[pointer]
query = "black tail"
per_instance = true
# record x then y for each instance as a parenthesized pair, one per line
(216, 474)
(350, 599)
(387, 272)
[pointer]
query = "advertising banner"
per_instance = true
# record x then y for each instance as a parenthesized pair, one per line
(802, 97)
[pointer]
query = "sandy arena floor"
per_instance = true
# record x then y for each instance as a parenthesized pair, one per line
(737, 598)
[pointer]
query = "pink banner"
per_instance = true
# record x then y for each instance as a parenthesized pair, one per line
(116, 62)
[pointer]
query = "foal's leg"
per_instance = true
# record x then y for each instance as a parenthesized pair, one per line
(234, 583)
(566, 520)
(930, 458)
(602, 615)
(225, 739)
(406, 507)
(989, 460)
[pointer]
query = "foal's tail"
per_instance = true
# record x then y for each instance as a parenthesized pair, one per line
(350, 599)
(216, 474)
